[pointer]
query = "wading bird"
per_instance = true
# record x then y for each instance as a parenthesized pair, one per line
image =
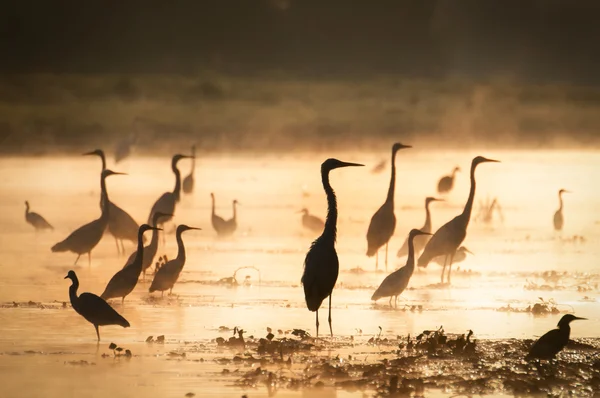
(36, 220)
(124, 146)
(448, 238)
(94, 309)
(123, 282)
(554, 341)
(168, 274)
(85, 238)
(421, 240)
(311, 222)
(383, 222)
(394, 284)
(558, 215)
(447, 182)
(223, 227)
(188, 181)
(459, 256)
(321, 265)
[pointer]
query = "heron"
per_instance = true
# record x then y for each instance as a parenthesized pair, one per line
(383, 222)
(446, 240)
(321, 265)
(559, 220)
(36, 220)
(420, 240)
(446, 183)
(93, 308)
(124, 146)
(223, 227)
(394, 284)
(459, 256)
(85, 238)
(188, 181)
(123, 282)
(553, 341)
(120, 224)
(311, 222)
(168, 274)
(167, 201)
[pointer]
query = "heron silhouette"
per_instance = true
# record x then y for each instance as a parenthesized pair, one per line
(446, 183)
(459, 256)
(394, 284)
(559, 219)
(553, 341)
(383, 222)
(188, 181)
(420, 240)
(311, 222)
(446, 240)
(223, 227)
(93, 308)
(85, 238)
(321, 266)
(36, 220)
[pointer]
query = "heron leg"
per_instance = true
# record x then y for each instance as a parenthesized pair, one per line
(77, 259)
(377, 260)
(450, 266)
(117, 244)
(329, 319)
(391, 297)
(122, 247)
(317, 314)
(162, 294)
(444, 267)
(97, 332)
(386, 250)
(122, 300)
(396, 302)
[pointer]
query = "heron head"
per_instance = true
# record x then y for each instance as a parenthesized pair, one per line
(95, 152)
(146, 227)
(456, 169)
(430, 199)
(178, 157)
(397, 146)
(235, 202)
(107, 172)
(566, 319)
(480, 159)
(332, 163)
(71, 275)
(303, 211)
(417, 232)
(563, 191)
(181, 228)
(27, 203)
(465, 250)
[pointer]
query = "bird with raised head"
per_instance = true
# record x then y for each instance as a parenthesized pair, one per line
(551, 343)
(223, 227)
(188, 181)
(36, 220)
(311, 222)
(559, 219)
(421, 240)
(446, 183)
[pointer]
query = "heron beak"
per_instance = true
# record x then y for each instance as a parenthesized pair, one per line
(66, 277)
(579, 319)
(565, 191)
(156, 228)
(491, 160)
(405, 146)
(468, 251)
(424, 233)
(438, 200)
(198, 229)
(346, 164)
(88, 153)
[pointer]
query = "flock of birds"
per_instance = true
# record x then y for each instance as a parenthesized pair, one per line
(321, 265)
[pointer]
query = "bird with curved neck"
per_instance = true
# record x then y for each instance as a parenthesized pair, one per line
(559, 220)
(168, 274)
(553, 341)
(321, 266)
(223, 227)
(446, 183)
(36, 220)
(395, 283)
(188, 181)
(94, 309)
(420, 240)
(446, 240)
(85, 238)
(123, 282)
(383, 222)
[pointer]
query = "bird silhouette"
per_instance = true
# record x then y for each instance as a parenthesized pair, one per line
(459, 256)
(85, 238)
(36, 220)
(559, 220)
(421, 240)
(223, 227)
(383, 222)
(321, 266)
(123, 282)
(94, 309)
(168, 274)
(553, 341)
(311, 222)
(446, 183)
(446, 240)
(394, 284)
(124, 146)
(188, 181)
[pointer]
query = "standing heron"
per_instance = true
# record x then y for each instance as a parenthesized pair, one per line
(448, 238)
(553, 341)
(321, 265)
(394, 284)
(446, 183)
(459, 256)
(168, 274)
(94, 309)
(223, 227)
(311, 222)
(36, 220)
(383, 222)
(188, 181)
(559, 220)
(421, 240)
(85, 238)
(123, 282)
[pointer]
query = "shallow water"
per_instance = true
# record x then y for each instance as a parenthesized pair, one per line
(509, 255)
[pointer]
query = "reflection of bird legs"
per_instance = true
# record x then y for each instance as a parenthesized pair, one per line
(386, 250)
(450, 266)
(317, 323)
(97, 332)
(117, 244)
(77, 259)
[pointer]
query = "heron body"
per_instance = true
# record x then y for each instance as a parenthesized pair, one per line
(551, 343)
(321, 265)
(395, 283)
(449, 237)
(36, 220)
(93, 308)
(420, 240)
(188, 181)
(223, 227)
(446, 183)
(167, 201)
(311, 222)
(149, 250)
(559, 220)
(383, 222)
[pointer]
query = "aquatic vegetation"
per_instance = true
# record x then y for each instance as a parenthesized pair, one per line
(118, 351)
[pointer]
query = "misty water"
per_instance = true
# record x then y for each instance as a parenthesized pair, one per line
(48, 349)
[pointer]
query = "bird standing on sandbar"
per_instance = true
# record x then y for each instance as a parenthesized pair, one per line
(383, 222)
(321, 265)
(559, 220)
(421, 240)
(449, 237)
(311, 222)
(36, 220)
(94, 309)
(188, 181)
(223, 227)
(553, 341)
(446, 183)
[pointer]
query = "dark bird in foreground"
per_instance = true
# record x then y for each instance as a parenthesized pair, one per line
(394, 284)
(94, 309)
(36, 220)
(223, 227)
(554, 341)
(311, 222)
(123, 282)
(446, 183)
(321, 266)
(559, 219)
(168, 274)
(383, 222)
(420, 241)
(188, 181)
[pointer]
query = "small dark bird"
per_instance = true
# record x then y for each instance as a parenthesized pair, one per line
(311, 222)
(321, 266)
(554, 341)
(188, 181)
(446, 183)
(559, 219)
(422, 240)
(223, 227)
(94, 309)
(38, 222)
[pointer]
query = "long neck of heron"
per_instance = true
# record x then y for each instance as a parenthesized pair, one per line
(177, 189)
(469, 206)
(427, 226)
(234, 211)
(103, 158)
(410, 261)
(560, 201)
(154, 239)
(180, 248)
(104, 198)
(392, 188)
(193, 161)
(212, 197)
(26, 208)
(139, 256)
(330, 230)
(73, 292)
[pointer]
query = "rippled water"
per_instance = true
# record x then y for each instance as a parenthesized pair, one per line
(40, 338)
